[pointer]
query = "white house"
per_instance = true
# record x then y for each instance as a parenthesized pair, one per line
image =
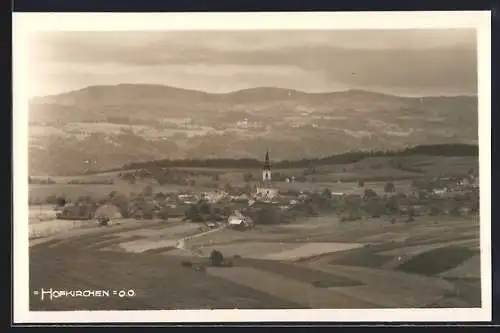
(238, 220)
(214, 196)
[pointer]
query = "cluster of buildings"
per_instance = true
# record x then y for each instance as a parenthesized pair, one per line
(245, 124)
(471, 182)
(176, 204)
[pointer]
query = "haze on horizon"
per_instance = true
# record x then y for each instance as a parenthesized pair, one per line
(400, 62)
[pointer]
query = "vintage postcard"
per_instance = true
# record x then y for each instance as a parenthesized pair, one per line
(252, 167)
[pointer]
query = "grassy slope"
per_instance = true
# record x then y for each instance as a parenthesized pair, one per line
(159, 282)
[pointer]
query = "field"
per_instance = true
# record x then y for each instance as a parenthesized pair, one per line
(313, 262)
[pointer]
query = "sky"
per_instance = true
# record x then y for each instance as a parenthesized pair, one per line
(402, 62)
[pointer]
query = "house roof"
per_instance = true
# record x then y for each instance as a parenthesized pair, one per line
(235, 220)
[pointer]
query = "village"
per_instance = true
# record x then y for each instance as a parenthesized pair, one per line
(275, 202)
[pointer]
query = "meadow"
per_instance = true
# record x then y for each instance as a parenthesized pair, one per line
(327, 264)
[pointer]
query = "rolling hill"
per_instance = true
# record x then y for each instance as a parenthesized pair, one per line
(115, 125)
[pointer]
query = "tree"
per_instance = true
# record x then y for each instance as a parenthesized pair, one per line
(327, 193)
(192, 214)
(247, 177)
(369, 194)
(411, 214)
(157, 173)
(392, 205)
(120, 201)
(160, 196)
(61, 201)
(199, 212)
(375, 208)
(389, 187)
(204, 208)
(216, 258)
(147, 191)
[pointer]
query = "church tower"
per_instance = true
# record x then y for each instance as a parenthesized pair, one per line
(266, 191)
(266, 170)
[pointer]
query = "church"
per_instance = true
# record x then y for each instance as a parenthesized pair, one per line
(266, 190)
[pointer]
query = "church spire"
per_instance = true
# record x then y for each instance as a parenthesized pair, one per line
(267, 164)
(266, 170)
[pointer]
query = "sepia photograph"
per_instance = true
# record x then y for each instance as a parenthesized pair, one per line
(335, 163)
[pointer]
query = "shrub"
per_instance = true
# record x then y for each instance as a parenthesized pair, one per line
(187, 263)
(369, 194)
(327, 193)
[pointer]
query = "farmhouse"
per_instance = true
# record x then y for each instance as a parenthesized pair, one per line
(239, 221)
(107, 213)
(188, 199)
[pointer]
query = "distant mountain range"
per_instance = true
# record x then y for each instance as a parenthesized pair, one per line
(103, 127)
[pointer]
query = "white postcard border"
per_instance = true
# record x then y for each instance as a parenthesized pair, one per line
(26, 23)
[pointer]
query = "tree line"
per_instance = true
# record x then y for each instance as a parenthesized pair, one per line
(344, 158)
